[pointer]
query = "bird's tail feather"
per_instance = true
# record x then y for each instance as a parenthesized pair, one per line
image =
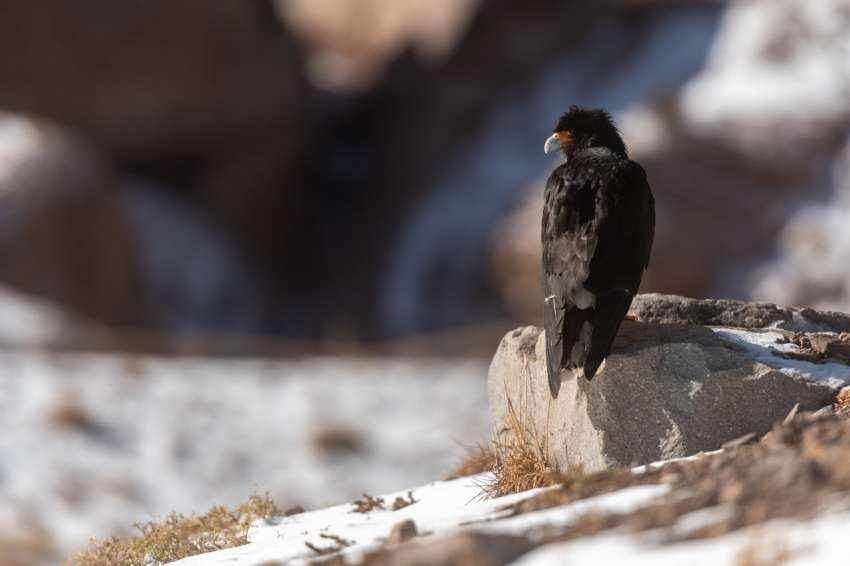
(578, 331)
(587, 336)
(610, 310)
(553, 321)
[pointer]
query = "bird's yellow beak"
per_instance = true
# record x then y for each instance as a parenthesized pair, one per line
(557, 141)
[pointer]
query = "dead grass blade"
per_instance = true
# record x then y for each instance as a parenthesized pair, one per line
(521, 461)
(478, 459)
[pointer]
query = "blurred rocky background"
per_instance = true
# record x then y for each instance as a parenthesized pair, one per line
(290, 177)
(365, 170)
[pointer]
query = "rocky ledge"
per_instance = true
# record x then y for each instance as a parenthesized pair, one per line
(687, 376)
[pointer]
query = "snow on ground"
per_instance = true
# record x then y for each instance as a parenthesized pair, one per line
(450, 507)
(761, 345)
(440, 507)
(818, 541)
(95, 443)
(622, 501)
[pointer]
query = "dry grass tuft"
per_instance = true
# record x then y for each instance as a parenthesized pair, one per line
(70, 414)
(338, 543)
(367, 503)
(479, 459)
(178, 536)
(402, 502)
(521, 461)
(842, 403)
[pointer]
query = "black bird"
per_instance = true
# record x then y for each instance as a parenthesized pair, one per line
(598, 226)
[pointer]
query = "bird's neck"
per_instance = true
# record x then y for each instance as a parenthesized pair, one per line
(596, 151)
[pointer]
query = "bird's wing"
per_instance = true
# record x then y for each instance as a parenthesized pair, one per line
(568, 211)
(625, 228)
(624, 225)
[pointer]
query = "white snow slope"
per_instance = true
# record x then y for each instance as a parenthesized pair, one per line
(441, 507)
(449, 507)
(92, 444)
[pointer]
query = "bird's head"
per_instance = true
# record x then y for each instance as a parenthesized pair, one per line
(581, 128)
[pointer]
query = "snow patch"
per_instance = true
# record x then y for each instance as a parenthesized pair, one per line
(440, 507)
(818, 541)
(762, 346)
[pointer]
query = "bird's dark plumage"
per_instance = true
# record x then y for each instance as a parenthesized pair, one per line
(598, 227)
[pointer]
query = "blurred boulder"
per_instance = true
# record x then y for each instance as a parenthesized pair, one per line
(203, 98)
(64, 234)
(195, 279)
(813, 266)
(748, 142)
(29, 322)
(153, 78)
(515, 257)
(349, 42)
(719, 211)
(131, 256)
(776, 86)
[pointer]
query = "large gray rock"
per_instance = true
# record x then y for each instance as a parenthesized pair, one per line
(667, 390)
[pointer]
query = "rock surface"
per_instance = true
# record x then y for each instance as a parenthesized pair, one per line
(463, 548)
(667, 390)
(402, 532)
(673, 309)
